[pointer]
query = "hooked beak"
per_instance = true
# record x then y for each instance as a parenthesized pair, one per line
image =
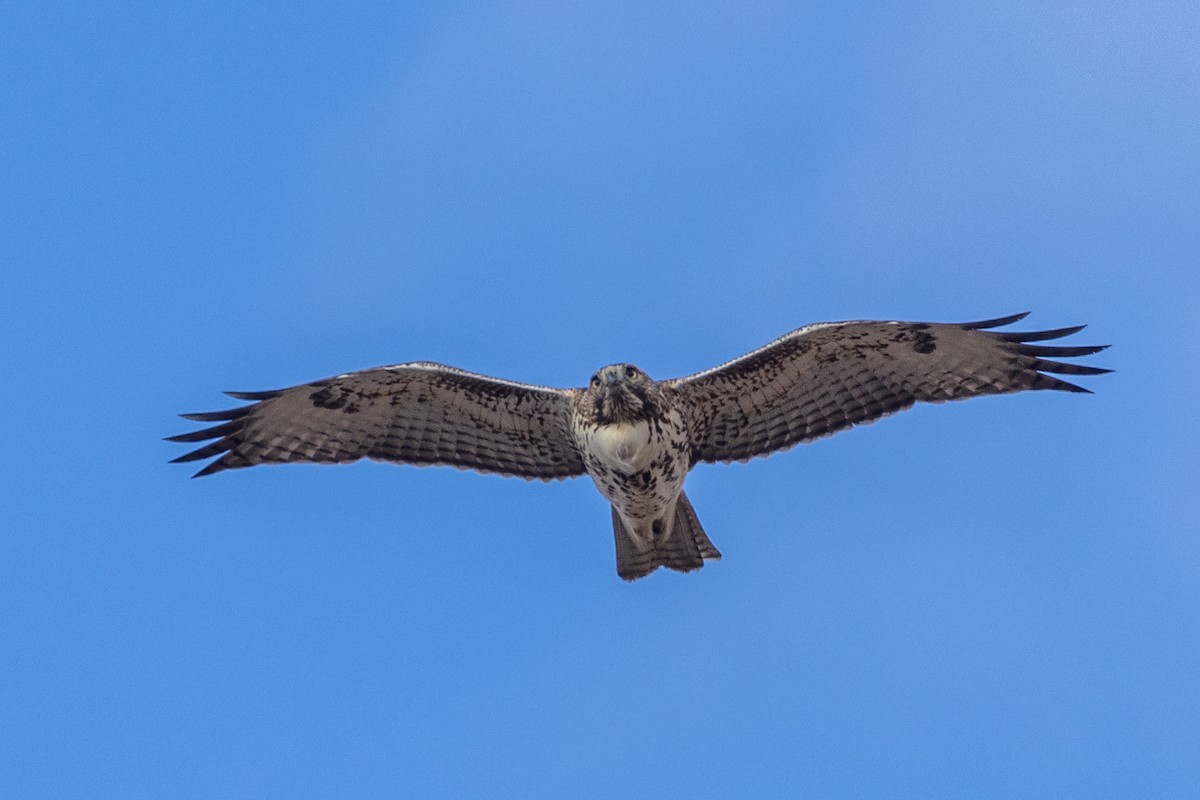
(610, 375)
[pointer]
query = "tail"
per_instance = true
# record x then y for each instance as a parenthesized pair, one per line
(682, 547)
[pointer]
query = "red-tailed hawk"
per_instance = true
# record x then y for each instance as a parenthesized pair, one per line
(637, 438)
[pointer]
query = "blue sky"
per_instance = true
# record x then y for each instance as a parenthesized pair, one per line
(998, 598)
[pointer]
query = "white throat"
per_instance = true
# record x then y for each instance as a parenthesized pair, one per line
(623, 445)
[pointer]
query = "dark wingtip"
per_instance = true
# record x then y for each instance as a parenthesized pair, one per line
(1039, 336)
(1057, 384)
(218, 416)
(1058, 352)
(993, 323)
(267, 395)
(204, 434)
(1064, 368)
(207, 451)
(215, 466)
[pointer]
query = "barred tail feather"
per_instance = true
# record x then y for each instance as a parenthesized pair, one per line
(685, 546)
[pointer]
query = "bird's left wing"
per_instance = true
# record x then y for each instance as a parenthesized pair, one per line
(825, 378)
(418, 413)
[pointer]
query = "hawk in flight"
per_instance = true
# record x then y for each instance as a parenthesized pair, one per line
(637, 438)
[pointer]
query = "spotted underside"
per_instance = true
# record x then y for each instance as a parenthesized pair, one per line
(639, 466)
(809, 383)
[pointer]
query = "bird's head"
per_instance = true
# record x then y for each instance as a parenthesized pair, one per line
(619, 393)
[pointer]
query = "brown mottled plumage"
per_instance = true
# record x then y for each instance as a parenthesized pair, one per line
(635, 437)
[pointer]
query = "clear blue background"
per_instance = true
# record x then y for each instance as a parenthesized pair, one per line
(991, 599)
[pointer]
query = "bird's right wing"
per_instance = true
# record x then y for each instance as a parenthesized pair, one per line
(824, 378)
(417, 413)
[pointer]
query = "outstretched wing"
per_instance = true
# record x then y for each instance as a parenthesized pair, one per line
(824, 378)
(418, 413)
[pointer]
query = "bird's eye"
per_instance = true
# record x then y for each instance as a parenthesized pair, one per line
(595, 380)
(631, 372)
